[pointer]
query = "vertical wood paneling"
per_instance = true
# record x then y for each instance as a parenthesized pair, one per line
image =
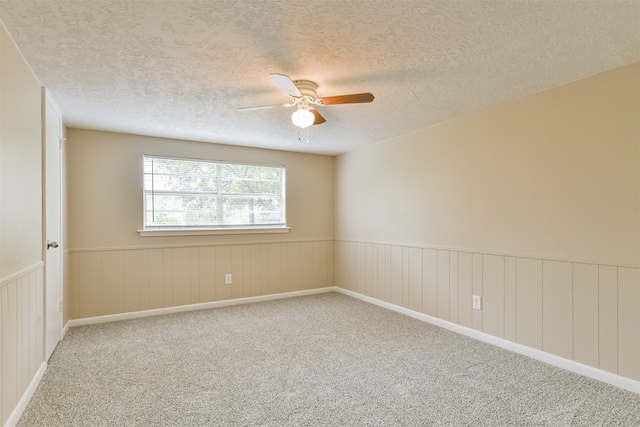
(33, 327)
(194, 274)
(477, 289)
(131, 280)
(331, 256)
(388, 284)
(207, 273)
(443, 285)
(340, 262)
(453, 287)
(237, 271)
(17, 286)
(383, 285)
(510, 298)
(415, 279)
(608, 318)
(324, 265)
(319, 254)
(181, 276)
(374, 271)
(368, 270)
(396, 275)
(572, 310)
(21, 336)
(585, 314)
(275, 267)
(115, 281)
(256, 271)
(112, 282)
(74, 277)
(306, 253)
(143, 257)
(465, 289)
(529, 302)
(40, 350)
(405, 277)
(350, 266)
(90, 280)
(557, 308)
(156, 278)
(167, 277)
(246, 271)
(294, 255)
(264, 268)
(493, 295)
(430, 282)
(361, 268)
(629, 322)
(9, 355)
(284, 282)
(223, 267)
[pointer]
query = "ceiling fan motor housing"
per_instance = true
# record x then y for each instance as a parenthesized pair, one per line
(307, 88)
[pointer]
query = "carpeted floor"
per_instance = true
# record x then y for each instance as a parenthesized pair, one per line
(322, 360)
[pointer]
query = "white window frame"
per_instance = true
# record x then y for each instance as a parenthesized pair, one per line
(211, 229)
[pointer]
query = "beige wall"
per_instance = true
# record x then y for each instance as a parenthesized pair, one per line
(21, 267)
(534, 205)
(20, 162)
(112, 269)
(105, 189)
(552, 175)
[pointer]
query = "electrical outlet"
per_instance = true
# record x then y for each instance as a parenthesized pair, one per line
(477, 302)
(227, 279)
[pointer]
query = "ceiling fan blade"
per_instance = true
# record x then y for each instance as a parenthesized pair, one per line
(285, 83)
(261, 107)
(319, 119)
(355, 98)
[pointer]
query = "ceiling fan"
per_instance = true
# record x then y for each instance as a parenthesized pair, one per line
(303, 96)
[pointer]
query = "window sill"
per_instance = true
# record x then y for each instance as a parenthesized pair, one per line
(208, 232)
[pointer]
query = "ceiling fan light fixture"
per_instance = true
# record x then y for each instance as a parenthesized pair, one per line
(303, 118)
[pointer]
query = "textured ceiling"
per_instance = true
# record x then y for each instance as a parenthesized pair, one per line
(181, 68)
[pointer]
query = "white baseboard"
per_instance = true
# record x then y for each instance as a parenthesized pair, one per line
(13, 419)
(192, 307)
(569, 365)
(65, 329)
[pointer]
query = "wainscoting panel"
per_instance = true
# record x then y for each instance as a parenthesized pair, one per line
(557, 308)
(583, 312)
(529, 302)
(493, 272)
(608, 318)
(628, 322)
(111, 281)
(21, 335)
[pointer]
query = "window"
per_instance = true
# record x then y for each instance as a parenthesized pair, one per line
(186, 194)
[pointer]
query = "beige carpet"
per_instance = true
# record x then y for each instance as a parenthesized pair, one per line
(323, 360)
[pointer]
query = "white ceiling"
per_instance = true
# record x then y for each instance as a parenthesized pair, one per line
(181, 68)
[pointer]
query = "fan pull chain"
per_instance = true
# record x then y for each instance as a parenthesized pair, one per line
(300, 135)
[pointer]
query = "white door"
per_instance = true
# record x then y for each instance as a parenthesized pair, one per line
(53, 224)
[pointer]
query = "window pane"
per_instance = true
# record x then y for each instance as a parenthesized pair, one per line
(192, 193)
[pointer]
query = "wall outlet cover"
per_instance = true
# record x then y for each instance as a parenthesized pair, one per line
(227, 279)
(477, 302)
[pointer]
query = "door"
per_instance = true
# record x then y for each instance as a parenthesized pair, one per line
(53, 224)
